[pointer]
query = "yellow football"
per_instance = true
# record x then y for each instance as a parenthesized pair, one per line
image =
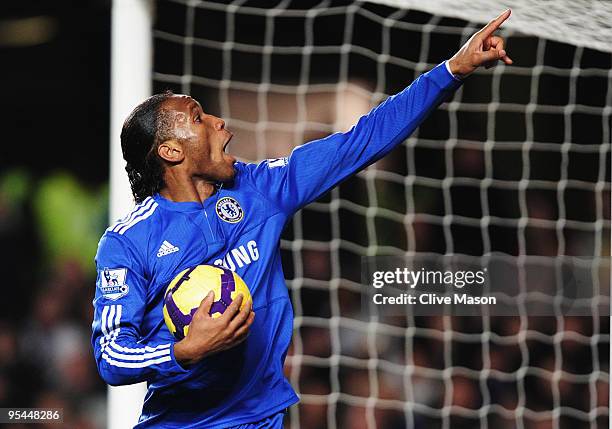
(187, 290)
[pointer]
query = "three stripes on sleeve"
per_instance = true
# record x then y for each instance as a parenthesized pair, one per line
(138, 214)
(127, 357)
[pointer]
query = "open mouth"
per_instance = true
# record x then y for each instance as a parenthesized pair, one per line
(225, 154)
(227, 142)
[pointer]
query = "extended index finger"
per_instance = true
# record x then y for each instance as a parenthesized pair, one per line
(494, 24)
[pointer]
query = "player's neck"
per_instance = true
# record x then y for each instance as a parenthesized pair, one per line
(193, 190)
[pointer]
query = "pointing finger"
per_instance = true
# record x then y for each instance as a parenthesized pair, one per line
(494, 24)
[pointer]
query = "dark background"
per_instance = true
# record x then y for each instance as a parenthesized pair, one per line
(56, 103)
(55, 74)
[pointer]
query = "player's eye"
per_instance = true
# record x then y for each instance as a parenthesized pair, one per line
(197, 118)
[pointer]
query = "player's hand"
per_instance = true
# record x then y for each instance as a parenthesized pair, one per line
(207, 336)
(483, 48)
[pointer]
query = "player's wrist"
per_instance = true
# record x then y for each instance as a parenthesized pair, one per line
(456, 69)
(185, 355)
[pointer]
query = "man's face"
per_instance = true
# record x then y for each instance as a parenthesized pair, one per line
(203, 137)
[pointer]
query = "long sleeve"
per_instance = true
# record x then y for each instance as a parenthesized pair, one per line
(315, 167)
(121, 354)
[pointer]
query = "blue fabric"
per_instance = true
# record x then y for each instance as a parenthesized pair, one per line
(239, 227)
(272, 422)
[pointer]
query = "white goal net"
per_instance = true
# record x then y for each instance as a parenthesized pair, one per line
(516, 165)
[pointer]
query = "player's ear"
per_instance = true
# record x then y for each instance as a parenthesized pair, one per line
(171, 151)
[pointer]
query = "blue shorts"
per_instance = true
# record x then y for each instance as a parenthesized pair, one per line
(275, 421)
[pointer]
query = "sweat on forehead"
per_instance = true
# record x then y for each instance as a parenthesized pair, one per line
(172, 125)
(180, 102)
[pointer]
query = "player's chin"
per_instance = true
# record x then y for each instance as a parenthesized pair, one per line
(229, 159)
(228, 168)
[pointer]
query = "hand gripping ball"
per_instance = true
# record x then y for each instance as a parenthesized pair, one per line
(187, 290)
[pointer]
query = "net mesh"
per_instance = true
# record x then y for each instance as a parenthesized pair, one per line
(580, 22)
(516, 164)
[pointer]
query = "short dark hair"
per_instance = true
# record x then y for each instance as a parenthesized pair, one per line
(144, 129)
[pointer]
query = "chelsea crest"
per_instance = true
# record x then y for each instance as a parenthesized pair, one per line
(229, 210)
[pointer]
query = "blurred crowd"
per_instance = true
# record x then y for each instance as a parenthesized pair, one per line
(46, 313)
(505, 372)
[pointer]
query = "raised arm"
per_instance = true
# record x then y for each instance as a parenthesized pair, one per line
(315, 167)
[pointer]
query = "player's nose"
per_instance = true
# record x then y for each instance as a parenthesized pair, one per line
(219, 124)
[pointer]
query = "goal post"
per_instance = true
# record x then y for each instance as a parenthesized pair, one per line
(131, 69)
(516, 167)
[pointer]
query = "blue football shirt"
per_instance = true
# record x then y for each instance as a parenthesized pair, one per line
(239, 227)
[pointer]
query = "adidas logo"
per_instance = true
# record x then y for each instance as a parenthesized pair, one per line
(166, 248)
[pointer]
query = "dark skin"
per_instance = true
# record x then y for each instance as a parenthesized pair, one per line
(482, 49)
(195, 160)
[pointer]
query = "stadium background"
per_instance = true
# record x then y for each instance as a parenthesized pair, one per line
(53, 208)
